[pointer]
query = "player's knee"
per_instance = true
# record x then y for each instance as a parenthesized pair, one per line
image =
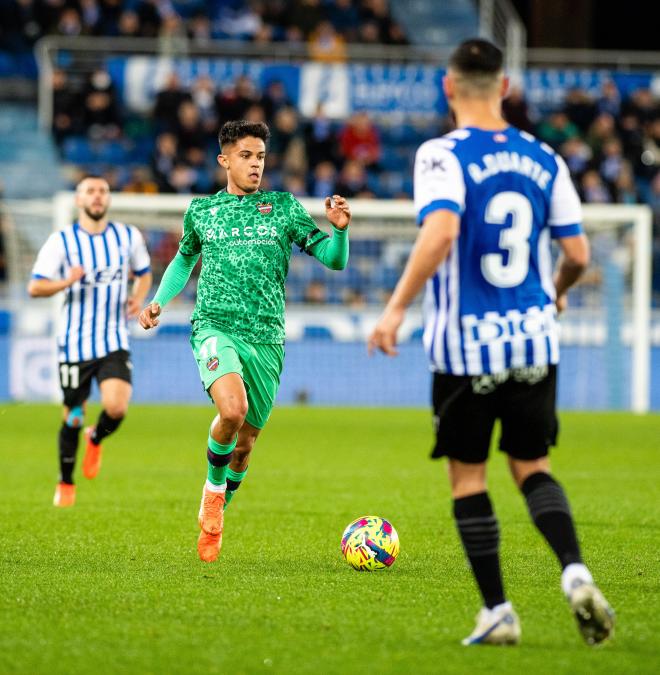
(75, 417)
(116, 409)
(241, 453)
(233, 413)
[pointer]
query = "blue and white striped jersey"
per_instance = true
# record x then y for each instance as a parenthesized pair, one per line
(93, 318)
(490, 305)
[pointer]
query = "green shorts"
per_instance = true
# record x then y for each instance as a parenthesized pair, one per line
(260, 366)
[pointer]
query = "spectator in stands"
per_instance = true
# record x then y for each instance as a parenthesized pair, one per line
(320, 138)
(324, 180)
(651, 147)
(641, 104)
(141, 181)
(593, 190)
(165, 158)
(578, 156)
(377, 12)
(625, 189)
(630, 131)
(396, 35)
(601, 130)
(516, 110)
(69, 24)
(305, 15)
(556, 129)
(200, 30)
(101, 117)
(359, 140)
(611, 161)
(168, 101)
(66, 107)
(203, 96)
(345, 17)
(295, 184)
(286, 146)
(109, 16)
(315, 293)
(580, 108)
(609, 100)
(129, 24)
(232, 103)
(255, 113)
(352, 181)
(218, 180)
(90, 15)
(326, 44)
(275, 98)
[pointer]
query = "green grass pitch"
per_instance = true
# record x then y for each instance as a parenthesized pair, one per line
(114, 585)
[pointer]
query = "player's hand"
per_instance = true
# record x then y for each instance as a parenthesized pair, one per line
(383, 336)
(148, 317)
(562, 303)
(75, 274)
(337, 211)
(133, 307)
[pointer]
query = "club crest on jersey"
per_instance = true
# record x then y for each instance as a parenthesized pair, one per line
(212, 363)
(264, 208)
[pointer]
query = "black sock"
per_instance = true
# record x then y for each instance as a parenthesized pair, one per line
(480, 534)
(551, 514)
(105, 426)
(68, 447)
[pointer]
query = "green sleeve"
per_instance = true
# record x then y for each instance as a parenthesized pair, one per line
(175, 277)
(190, 243)
(303, 230)
(332, 251)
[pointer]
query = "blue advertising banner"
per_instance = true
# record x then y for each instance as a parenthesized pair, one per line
(404, 89)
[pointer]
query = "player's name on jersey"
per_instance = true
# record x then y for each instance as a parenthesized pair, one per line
(245, 231)
(507, 162)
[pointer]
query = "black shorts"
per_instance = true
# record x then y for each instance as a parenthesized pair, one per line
(466, 407)
(76, 378)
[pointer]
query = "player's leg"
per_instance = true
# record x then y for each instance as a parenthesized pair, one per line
(261, 369)
(238, 466)
(464, 422)
(529, 428)
(113, 375)
(75, 380)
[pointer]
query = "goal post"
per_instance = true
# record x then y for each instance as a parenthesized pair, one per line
(606, 332)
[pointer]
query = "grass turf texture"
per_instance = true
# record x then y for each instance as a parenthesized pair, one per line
(114, 584)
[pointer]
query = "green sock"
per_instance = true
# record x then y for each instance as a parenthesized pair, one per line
(234, 479)
(218, 456)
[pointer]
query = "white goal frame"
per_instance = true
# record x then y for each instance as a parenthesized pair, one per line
(596, 216)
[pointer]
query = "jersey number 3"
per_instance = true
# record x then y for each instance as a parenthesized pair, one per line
(514, 239)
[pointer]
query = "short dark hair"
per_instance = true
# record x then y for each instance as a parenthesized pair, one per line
(477, 57)
(234, 130)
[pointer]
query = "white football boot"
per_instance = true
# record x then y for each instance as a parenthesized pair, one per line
(594, 616)
(497, 626)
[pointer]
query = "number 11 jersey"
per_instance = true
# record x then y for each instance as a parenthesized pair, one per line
(490, 306)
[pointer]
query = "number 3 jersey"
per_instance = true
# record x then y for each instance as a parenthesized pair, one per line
(490, 306)
(93, 318)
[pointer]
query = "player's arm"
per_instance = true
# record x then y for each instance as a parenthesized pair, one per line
(141, 265)
(565, 220)
(333, 251)
(439, 200)
(48, 266)
(573, 261)
(141, 286)
(431, 249)
(41, 287)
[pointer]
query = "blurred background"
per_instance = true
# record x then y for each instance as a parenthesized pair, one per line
(137, 90)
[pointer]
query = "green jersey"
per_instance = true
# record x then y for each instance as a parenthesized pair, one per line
(245, 244)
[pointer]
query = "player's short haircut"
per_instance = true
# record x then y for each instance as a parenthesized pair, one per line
(477, 63)
(93, 176)
(234, 130)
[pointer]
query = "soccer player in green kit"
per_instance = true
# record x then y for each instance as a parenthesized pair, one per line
(244, 237)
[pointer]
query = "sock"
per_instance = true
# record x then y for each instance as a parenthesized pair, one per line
(234, 479)
(105, 426)
(218, 456)
(480, 534)
(549, 509)
(574, 575)
(68, 447)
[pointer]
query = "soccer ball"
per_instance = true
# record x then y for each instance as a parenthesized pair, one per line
(370, 543)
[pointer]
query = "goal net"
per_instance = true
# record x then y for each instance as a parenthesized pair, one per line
(606, 331)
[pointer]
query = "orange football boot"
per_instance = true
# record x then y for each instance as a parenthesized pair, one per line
(211, 521)
(92, 460)
(65, 495)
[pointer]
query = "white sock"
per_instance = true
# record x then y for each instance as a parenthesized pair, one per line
(575, 572)
(211, 487)
(502, 607)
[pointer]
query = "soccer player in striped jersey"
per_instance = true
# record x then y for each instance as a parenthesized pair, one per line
(489, 198)
(244, 236)
(104, 269)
